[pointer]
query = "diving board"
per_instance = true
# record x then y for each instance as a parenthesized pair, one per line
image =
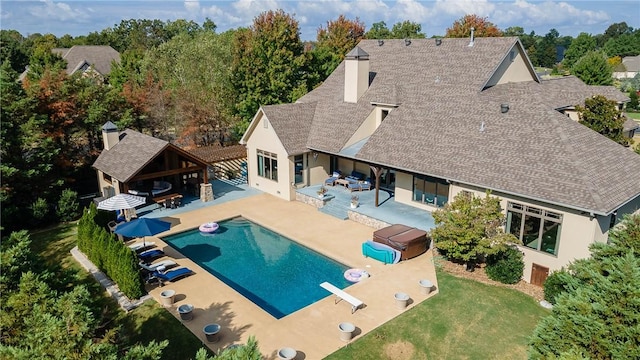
(341, 295)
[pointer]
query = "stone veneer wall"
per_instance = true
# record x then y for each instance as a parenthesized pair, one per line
(353, 215)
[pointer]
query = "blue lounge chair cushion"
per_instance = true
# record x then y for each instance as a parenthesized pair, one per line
(150, 254)
(172, 275)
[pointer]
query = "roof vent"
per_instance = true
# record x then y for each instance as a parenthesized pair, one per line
(471, 42)
(504, 108)
(438, 41)
(482, 127)
(380, 42)
(407, 42)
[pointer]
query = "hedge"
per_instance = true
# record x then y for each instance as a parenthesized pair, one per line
(109, 254)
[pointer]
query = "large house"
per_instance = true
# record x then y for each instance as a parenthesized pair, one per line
(437, 117)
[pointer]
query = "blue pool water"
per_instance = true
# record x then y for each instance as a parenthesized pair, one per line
(277, 274)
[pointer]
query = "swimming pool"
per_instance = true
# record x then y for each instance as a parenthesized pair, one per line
(274, 272)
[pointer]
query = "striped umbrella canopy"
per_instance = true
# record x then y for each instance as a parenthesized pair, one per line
(121, 202)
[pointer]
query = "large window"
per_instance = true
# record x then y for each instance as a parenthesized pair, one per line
(298, 162)
(537, 229)
(430, 190)
(267, 165)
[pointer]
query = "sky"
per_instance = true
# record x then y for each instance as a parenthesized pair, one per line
(83, 17)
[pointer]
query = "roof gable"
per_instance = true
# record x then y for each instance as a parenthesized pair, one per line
(131, 154)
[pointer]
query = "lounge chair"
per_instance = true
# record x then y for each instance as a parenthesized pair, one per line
(332, 180)
(141, 246)
(153, 267)
(171, 275)
(149, 255)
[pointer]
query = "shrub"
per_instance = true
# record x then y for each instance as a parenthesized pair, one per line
(68, 205)
(506, 266)
(39, 209)
(557, 282)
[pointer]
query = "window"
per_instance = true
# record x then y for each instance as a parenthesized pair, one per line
(537, 229)
(267, 165)
(430, 190)
(299, 167)
(107, 178)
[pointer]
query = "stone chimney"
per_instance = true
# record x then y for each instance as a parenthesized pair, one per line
(110, 135)
(356, 74)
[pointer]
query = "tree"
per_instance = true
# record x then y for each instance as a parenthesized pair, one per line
(623, 45)
(615, 30)
(482, 27)
(470, 227)
(333, 43)
(407, 30)
(593, 69)
(602, 116)
(268, 64)
(378, 30)
(633, 100)
(546, 51)
(578, 48)
(599, 316)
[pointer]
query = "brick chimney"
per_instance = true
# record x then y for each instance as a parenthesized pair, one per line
(110, 135)
(356, 74)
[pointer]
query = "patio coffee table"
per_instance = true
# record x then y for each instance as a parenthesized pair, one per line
(343, 182)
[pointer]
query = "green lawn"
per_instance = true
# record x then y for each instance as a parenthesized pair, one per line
(633, 115)
(466, 320)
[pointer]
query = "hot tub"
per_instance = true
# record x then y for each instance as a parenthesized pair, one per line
(410, 241)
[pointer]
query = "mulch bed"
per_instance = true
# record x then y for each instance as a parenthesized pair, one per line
(458, 270)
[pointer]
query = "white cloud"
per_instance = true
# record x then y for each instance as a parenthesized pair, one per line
(461, 8)
(192, 6)
(411, 10)
(547, 13)
(49, 10)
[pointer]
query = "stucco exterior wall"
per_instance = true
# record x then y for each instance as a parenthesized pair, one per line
(367, 128)
(512, 69)
(264, 138)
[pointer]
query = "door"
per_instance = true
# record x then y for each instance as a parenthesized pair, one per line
(539, 274)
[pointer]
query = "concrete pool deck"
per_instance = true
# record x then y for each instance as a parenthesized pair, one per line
(313, 330)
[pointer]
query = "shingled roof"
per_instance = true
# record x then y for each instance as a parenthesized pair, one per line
(97, 56)
(132, 153)
(449, 124)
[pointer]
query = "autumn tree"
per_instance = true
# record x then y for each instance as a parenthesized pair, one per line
(602, 116)
(593, 68)
(268, 64)
(198, 92)
(333, 43)
(578, 48)
(470, 227)
(482, 27)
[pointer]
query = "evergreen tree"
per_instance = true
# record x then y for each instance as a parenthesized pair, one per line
(407, 30)
(599, 318)
(580, 46)
(633, 100)
(378, 30)
(593, 69)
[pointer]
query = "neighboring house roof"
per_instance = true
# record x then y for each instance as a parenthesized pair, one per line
(212, 154)
(132, 153)
(632, 63)
(99, 57)
(448, 124)
(81, 57)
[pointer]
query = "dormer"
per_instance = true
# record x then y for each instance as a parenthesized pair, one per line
(356, 74)
(515, 67)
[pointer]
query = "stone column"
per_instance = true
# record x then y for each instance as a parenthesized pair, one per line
(206, 192)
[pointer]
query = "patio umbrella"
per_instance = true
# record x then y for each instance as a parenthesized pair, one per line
(142, 227)
(121, 202)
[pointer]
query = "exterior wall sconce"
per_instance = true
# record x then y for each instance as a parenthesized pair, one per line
(315, 156)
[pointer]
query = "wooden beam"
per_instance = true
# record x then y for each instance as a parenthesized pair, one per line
(377, 172)
(160, 174)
